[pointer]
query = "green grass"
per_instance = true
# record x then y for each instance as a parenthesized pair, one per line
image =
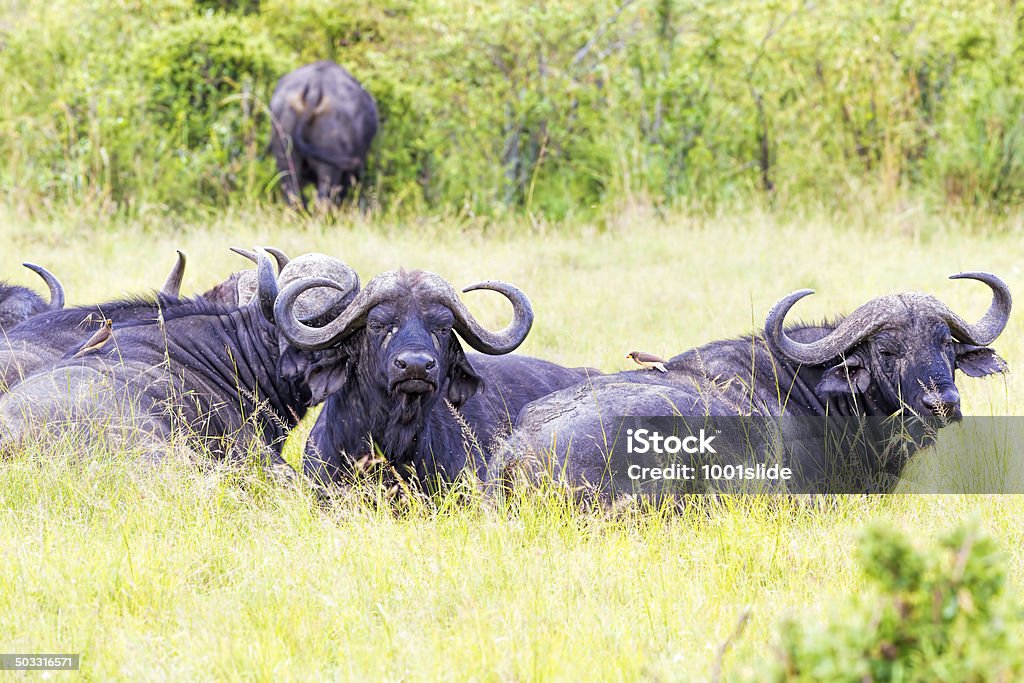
(169, 574)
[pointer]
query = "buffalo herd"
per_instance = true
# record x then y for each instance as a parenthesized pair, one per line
(228, 373)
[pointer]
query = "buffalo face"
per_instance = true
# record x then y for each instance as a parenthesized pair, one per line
(900, 351)
(912, 366)
(414, 350)
(394, 350)
(409, 345)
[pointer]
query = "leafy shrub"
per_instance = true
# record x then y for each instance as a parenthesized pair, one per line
(207, 79)
(938, 614)
(554, 108)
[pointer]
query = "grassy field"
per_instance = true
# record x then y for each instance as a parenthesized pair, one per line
(175, 575)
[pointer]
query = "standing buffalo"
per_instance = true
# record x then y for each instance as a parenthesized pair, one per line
(398, 374)
(323, 125)
(895, 355)
(18, 304)
(204, 375)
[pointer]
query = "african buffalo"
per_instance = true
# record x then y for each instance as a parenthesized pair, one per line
(324, 123)
(507, 384)
(43, 339)
(894, 356)
(398, 374)
(202, 375)
(18, 304)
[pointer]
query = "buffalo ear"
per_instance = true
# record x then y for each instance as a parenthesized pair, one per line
(839, 379)
(463, 382)
(324, 380)
(324, 372)
(978, 361)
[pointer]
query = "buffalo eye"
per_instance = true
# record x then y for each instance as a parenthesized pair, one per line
(443, 329)
(375, 326)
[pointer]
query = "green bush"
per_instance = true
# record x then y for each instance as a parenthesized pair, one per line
(938, 614)
(553, 108)
(207, 81)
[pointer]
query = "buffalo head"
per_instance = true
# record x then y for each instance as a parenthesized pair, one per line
(398, 336)
(900, 350)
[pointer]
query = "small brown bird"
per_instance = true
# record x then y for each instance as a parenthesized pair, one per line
(97, 340)
(647, 361)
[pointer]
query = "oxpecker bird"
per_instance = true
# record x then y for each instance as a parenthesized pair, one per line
(97, 340)
(647, 361)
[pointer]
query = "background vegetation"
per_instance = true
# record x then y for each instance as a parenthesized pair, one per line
(553, 108)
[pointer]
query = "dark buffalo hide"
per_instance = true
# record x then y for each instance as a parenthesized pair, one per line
(894, 356)
(323, 125)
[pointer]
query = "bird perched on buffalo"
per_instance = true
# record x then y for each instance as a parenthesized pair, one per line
(648, 361)
(97, 340)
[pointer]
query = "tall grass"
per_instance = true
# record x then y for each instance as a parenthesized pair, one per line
(163, 572)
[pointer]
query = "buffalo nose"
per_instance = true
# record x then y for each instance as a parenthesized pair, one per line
(415, 362)
(942, 402)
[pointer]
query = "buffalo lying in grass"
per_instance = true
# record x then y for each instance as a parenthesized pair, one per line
(399, 380)
(893, 356)
(341, 438)
(45, 338)
(324, 123)
(18, 304)
(204, 376)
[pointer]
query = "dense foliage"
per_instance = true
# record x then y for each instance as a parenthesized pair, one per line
(936, 614)
(548, 107)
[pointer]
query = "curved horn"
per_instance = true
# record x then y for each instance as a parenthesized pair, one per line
(279, 256)
(310, 338)
(475, 334)
(991, 325)
(385, 286)
(266, 286)
(246, 253)
(856, 327)
(56, 288)
(172, 285)
(873, 315)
